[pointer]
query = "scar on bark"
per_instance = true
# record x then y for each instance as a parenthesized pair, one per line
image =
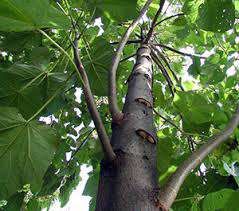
(146, 136)
(144, 102)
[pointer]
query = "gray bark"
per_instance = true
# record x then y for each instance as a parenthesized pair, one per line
(129, 183)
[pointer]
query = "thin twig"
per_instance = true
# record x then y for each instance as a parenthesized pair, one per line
(172, 16)
(81, 145)
(177, 127)
(128, 57)
(151, 30)
(179, 52)
(128, 42)
(164, 72)
(169, 121)
(105, 142)
(169, 67)
(170, 190)
(114, 109)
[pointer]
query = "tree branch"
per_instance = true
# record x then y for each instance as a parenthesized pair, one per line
(172, 16)
(128, 42)
(114, 109)
(153, 25)
(128, 57)
(170, 190)
(104, 139)
(179, 52)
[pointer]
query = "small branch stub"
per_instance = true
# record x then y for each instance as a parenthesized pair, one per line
(117, 118)
(146, 136)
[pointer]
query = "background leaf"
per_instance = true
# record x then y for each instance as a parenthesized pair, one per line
(26, 151)
(216, 15)
(22, 15)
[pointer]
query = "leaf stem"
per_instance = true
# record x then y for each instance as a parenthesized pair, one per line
(49, 100)
(167, 18)
(164, 72)
(62, 50)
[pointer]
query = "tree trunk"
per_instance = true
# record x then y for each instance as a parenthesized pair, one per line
(129, 183)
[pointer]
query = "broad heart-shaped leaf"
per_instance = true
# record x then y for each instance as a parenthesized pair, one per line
(18, 41)
(216, 15)
(27, 87)
(190, 8)
(196, 111)
(225, 199)
(212, 73)
(119, 11)
(194, 107)
(29, 15)
(97, 62)
(26, 150)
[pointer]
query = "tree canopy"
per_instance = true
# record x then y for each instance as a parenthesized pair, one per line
(195, 95)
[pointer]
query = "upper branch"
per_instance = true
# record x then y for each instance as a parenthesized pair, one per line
(167, 18)
(170, 190)
(153, 25)
(104, 139)
(114, 109)
(179, 52)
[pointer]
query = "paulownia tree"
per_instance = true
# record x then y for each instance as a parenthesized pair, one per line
(145, 92)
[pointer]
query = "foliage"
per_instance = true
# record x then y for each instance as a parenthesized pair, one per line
(37, 79)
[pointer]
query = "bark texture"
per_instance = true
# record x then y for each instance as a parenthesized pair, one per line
(128, 183)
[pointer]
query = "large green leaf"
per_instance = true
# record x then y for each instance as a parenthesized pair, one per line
(18, 41)
(115, 10)
(194, 188)
(97, 63)
(194, 107)
(26, 150)
(196, 111)
(211, 71)
(27, 87)
(225, 199)
(29, 15)
(216, 15)
(190, 8)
